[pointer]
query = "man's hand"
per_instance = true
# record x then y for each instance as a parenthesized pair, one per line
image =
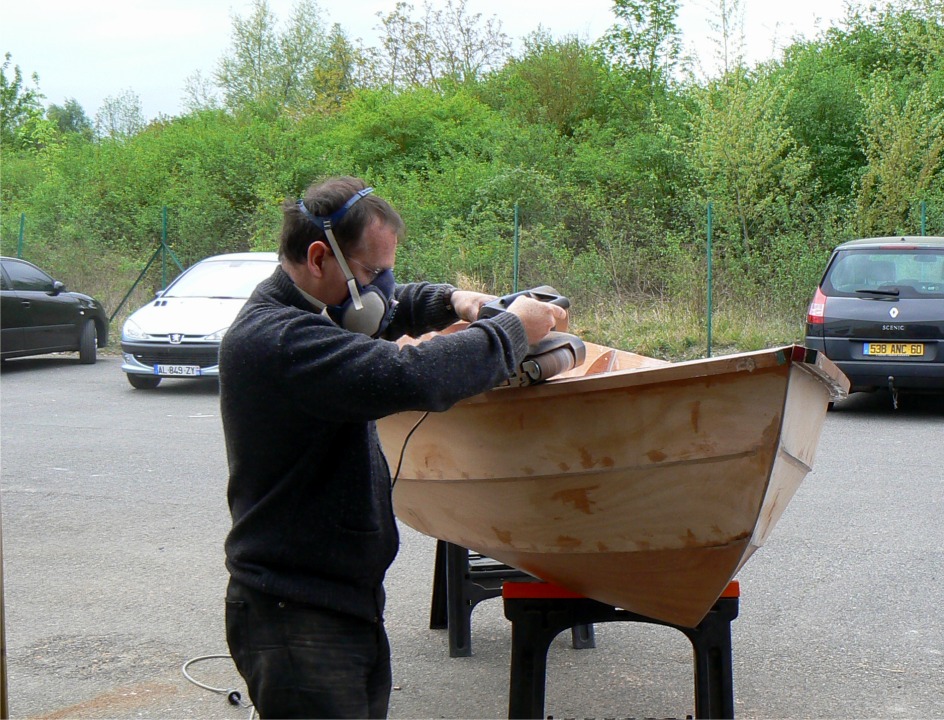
(538, 318)
(467, 303)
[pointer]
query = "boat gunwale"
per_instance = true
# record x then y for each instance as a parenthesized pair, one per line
(756, 360)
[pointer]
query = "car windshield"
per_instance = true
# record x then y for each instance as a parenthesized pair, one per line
(221, 279)
(903, 272)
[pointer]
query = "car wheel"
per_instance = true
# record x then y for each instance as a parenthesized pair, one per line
(88, 343)
(143, 382)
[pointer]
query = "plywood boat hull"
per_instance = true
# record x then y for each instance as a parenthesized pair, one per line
(642, 484)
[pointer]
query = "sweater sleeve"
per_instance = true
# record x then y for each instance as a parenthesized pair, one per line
(345, 376)
(421, 308)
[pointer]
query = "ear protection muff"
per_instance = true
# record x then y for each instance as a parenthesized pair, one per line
(377, 307)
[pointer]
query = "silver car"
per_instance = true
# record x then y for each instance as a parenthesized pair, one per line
(178, 334)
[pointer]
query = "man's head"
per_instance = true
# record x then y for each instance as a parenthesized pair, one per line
(323, 199)
(339, 245)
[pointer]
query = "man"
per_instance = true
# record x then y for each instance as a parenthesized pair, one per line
(305, 370)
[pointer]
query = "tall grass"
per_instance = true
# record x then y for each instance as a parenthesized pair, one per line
(677, 330)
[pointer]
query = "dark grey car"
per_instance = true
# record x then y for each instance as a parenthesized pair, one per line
(878, 313)
(39, 315)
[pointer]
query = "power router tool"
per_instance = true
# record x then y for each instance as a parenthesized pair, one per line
(557, 352)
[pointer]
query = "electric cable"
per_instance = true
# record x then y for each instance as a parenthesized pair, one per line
(233, 696)
(403, 449)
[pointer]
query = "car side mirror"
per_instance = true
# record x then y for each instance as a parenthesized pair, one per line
(57, 287)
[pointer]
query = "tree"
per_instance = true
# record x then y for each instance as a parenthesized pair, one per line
(887, 57)
(904, 39)
(200, 93)
(299, 66)
(405, 55)
(20, 105)
(751, 166)
(302, 47)
(468, 47)
(70, 117)
(558, 82)
(646, 39)
(249, 72)
(120, 116)
(728, 29)
(441, 47)
(824, 109)
(904, 144)
(339, 71)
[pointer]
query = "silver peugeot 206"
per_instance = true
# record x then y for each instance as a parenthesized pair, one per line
(178, 333)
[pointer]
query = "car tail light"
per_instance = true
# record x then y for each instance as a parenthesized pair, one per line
(816, 315)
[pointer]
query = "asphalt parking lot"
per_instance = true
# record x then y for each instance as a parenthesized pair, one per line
(114, 514)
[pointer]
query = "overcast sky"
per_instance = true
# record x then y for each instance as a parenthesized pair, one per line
(94, 50)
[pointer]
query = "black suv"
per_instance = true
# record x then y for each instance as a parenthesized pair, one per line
(878, 313)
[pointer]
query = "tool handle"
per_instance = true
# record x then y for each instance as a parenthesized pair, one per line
(544, 293)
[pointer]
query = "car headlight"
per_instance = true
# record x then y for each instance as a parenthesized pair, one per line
(217, 336)
(131, 331)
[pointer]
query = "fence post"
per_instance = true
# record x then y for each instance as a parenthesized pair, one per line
(164, 247)
(517, 236)
(163, 250)
(709, 279)
(19, 242)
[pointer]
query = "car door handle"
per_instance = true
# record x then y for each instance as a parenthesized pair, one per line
(25, 303)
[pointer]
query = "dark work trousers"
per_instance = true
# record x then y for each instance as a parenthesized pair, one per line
(301, 661)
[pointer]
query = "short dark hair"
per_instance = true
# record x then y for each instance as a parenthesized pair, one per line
(322, 199)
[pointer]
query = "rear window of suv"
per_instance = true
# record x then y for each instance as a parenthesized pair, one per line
(912, 272)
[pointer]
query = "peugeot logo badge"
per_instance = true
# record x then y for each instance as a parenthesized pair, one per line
(177, 338)
(893, 312)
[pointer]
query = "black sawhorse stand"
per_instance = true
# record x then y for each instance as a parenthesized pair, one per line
(540, 611)
(461, 580)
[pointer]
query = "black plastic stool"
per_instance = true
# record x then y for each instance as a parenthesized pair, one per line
(540, 611)
(461, 580)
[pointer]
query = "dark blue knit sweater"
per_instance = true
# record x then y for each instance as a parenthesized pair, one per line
(309, 488)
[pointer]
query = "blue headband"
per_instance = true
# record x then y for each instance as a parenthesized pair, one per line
(329, 221)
